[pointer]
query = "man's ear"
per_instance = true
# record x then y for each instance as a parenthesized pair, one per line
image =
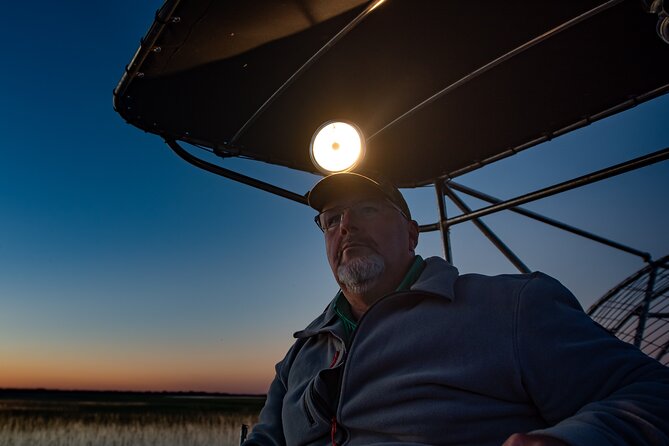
(413, 234)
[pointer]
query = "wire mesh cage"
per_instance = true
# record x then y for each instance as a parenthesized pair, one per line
(637, 310)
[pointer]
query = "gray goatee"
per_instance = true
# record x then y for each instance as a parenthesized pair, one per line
(361, 273)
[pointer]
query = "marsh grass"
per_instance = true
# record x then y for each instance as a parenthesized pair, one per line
(125, 420)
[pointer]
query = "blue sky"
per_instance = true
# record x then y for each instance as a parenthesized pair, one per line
(121, 266)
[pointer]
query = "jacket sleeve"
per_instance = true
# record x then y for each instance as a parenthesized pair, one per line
(269, 429)
(592, 388)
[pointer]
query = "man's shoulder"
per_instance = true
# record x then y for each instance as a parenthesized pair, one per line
(438, 267)
(535, 289)
(440, 277)
(505, 279)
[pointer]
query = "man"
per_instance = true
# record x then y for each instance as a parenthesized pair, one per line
(409, 352)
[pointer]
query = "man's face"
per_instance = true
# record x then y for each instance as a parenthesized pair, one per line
(373, 242)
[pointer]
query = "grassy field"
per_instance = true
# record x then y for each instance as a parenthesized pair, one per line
(33, 418)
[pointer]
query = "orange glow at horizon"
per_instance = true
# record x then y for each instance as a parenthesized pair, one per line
(83, 377)
(136, 371)
(72, 377)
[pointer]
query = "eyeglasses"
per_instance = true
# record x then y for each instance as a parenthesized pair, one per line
(364, 210)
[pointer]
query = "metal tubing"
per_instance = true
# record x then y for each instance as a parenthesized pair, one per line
(618, 169)
(443, 226)
(624, 284)
(218, 170)
(428, 228)
(499, 244)
(636, 312)
(549, 221)
(663, 351)
(643, 316)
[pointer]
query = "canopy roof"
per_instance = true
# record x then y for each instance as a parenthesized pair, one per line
(438, 87)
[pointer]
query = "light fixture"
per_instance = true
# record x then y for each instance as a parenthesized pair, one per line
(337, 146)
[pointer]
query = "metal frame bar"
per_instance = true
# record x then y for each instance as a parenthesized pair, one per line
(599, 175)
(499, 244)
(663, 351)
(218, 170)
(443, 189)
(663, 262)
(641, 310)
(645, 307)
(444, 227)
(551, 222)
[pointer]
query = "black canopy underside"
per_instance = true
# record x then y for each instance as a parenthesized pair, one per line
(207, 68)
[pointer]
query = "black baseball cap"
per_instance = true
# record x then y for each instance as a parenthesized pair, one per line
(345, 184)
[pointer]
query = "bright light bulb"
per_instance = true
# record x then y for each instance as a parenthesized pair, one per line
(337, 146)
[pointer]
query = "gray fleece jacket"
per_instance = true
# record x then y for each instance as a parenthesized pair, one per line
(465, 360)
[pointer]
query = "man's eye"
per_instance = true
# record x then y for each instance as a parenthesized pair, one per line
(369, 210)
(331, 220)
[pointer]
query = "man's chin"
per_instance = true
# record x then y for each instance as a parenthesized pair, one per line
(360, 272)
(358, 288)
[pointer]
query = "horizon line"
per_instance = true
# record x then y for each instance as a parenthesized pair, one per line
(146, 392)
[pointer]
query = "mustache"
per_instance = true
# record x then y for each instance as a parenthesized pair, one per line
(355, 241)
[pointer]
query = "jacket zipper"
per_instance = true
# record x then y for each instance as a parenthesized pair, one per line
(333, 430)
(333, 423)
(349, 347)
(334, 359)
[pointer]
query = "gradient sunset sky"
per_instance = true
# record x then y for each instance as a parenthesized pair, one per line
(123, 267)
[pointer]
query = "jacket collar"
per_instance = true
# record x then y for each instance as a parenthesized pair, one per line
(438, 277)
(328, 321)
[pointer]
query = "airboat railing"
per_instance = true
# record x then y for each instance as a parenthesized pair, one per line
(446, 187)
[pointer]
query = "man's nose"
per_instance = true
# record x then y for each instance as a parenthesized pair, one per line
(347, 222)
